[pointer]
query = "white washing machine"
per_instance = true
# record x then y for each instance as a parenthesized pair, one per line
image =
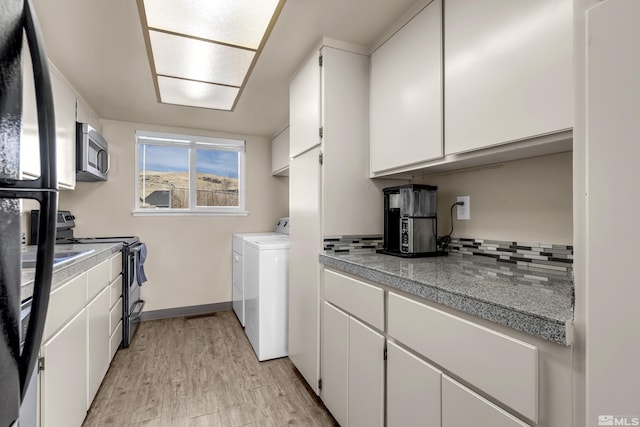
(266, 287)
(239, 239)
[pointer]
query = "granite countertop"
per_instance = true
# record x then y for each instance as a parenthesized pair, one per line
(96, 253)
(537, 303)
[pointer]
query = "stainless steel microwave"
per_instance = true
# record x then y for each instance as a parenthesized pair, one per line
(92, 154)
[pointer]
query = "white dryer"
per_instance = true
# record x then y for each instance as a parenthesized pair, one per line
(239, 239)
(266, 287)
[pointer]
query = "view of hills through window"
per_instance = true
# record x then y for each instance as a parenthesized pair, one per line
(167, 179)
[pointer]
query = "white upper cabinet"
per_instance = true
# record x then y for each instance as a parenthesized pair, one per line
(406, 94)
(508, 71)
(29, 139)
(64, 103)
(304, 107)
(85, 114)
(351, 202)
(280, 153)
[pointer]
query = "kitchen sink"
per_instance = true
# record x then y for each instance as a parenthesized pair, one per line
(59, 258)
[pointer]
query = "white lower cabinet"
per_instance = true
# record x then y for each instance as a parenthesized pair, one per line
(98, 354)
(352, 370)
(366, 376)
(335, 362)
(462, 407)
(413, 390)
(80, 339)
(442, 368)
(502, 366)
(115, 311)
(63, 382)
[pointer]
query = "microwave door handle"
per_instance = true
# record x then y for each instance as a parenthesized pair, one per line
(46, 195)
(101, 157)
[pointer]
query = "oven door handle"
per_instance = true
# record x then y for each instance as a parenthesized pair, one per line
(137, 312)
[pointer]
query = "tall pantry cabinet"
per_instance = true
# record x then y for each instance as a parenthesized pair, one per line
(330, 193)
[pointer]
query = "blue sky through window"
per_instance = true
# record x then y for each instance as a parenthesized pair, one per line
(154, 158)
(224, 163)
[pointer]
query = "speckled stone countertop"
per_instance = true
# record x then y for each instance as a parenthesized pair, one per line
(61, 273)
(537, 303)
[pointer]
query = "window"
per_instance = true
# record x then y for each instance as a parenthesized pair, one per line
(178, 174)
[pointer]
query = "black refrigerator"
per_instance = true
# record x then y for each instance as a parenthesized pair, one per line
(20, 340)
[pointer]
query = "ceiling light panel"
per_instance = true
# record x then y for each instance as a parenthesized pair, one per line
(237, 22)
(199, 60)
(196, 94)
(201, 52)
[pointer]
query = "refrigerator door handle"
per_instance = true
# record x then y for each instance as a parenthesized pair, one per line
(44, 100)
(45, 192)
(31, 188)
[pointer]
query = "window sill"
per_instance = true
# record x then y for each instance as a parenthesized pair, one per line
(153, 212)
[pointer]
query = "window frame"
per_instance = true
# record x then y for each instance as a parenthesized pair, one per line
(192, 143)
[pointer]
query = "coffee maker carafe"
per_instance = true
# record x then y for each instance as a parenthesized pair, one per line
(410, 220)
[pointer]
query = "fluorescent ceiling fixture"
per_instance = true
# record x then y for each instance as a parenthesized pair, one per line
(199, 60)
(207, 48)
(196, 94)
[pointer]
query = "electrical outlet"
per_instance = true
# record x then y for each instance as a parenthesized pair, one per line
(464, 211)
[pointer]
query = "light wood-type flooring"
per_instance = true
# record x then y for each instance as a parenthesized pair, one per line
(201, 372)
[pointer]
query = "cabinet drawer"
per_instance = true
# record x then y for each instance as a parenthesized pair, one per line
(115, 315)
(501, 366)
(462, 408)
(98, 278)
(364, 301)
(115, 340)
(65, 301)
(115, 266)
(115, 290)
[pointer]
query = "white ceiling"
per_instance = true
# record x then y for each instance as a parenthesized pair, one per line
(99, 47)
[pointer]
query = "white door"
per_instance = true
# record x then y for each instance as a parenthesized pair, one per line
(64, 102)
(508, 71)
(366, 376)
(612, 177)
(406, 94)
(462, 407)
(63, 383)
(98, 342)
(335, 362)
(413, 390)
(304, 266)
(304, 107)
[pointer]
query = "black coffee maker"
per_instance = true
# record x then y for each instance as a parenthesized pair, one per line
(411, 220)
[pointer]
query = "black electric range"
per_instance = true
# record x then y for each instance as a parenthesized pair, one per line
(133, 254)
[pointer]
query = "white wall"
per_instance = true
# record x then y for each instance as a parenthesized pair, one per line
(189, 259)
(525, 200)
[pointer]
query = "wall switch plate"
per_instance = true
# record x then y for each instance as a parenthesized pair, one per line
(464, 211)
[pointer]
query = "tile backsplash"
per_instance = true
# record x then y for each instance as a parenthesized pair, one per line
(353, 244)
(533, 256)
(541, 256)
